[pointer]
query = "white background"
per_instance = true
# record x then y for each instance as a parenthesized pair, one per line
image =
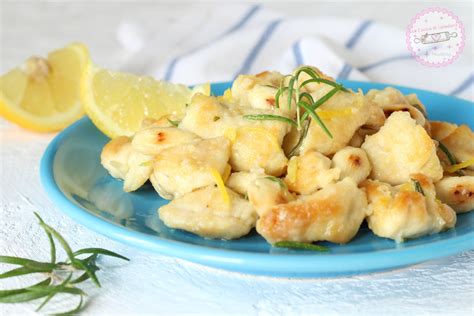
(156, 284)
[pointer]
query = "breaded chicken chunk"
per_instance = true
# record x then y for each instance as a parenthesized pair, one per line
(184, 168)
(324, 215)
(152, 140)
(266, 192)
(122, 162)
(403, 212)
(400, 148)
(310, 172)
(353, 163)
(255, 144)
(205, 213)
(457, 192)
(342, 114)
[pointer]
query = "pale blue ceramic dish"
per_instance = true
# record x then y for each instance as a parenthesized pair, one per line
(74, 179)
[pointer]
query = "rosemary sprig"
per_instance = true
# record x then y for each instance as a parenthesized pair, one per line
(451, 158)
(300, 245)
(418, 187)
(55, 283)
(270, 117)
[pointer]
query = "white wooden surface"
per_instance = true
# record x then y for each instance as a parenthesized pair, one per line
(152, 284)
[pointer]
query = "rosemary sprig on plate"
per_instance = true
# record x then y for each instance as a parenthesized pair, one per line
(300, 245)
(303, 100)
(60, 275)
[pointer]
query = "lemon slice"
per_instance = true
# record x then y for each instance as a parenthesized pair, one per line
(44, 93)
(118, 102)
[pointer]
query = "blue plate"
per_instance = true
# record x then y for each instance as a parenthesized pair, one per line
(74, 179)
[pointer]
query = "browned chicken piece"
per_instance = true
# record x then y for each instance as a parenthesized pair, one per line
(457, 192)
(310, 172)
(204, 212)
(403, 212)
(324, 215)
(400, 148)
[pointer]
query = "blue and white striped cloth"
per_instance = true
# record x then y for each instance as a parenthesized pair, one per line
(251, 39)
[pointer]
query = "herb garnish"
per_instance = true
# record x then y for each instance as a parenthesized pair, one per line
(270, 117)
(418, 187)
(300, 245)
(451, 158)
(56, 271)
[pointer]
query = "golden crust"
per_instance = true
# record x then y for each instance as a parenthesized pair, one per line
(310, 172)
(401, 212)
(457, 192)
(182, 169)
(205, 213)
(324, 215)
(152, 140)
(441, 130)
(350, 111)
(353, 163)
(461, 144)
(400, 148)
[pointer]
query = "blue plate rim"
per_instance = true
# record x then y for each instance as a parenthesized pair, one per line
(302, 264)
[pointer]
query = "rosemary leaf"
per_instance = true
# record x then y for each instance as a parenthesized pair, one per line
(326, 81)
(291, 89)
(8, 296)
(321, 101)
(74, 311)
(451, 158)
(51, 240)
(22, 271)
(418, 187)
(24, 262)
(90, 272)
(24, 296)
(52, 294)
(300, 140)
(58, 237)
(315, 117)
(300, 245)
(270, 117)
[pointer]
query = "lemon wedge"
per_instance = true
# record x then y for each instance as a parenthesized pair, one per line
(118, 102)
(44, 93)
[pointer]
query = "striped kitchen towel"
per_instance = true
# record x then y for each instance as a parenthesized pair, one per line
(249, 39)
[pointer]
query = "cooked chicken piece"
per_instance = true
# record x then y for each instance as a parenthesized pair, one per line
(152, 140)
(114, 156)
(259, 92)
(208, 118)
(457, 192)
(122, 162)
(324, 215)
(204, 212)
(255, 144)
(184, 168)
(255, 147)
(391, 100)
(461, 144)
(266, 192)
(243, 86)
(353, 163)
(343, 114)
(400, 148)
(441, 130)
(376, 117)
(241, 181)
(310, 172)
(140, 167)
(402, 212)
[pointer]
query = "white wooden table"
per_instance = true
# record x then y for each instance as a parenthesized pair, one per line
(153, 284)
